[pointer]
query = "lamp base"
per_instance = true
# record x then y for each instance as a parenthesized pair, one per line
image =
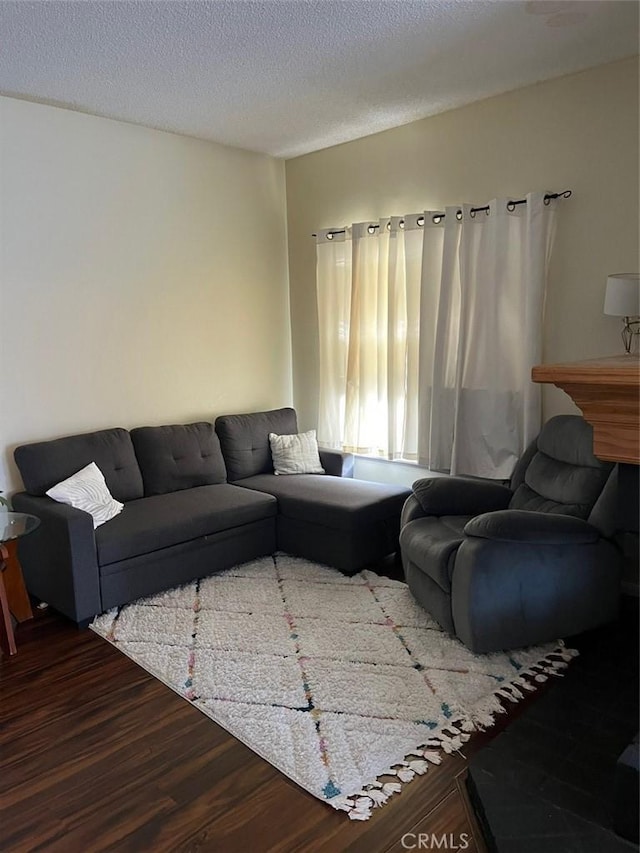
(630, 329)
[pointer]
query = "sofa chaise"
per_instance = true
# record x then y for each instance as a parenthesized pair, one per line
(346, 525)
(184, 517)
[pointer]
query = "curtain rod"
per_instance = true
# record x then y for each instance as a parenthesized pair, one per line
(438, 217)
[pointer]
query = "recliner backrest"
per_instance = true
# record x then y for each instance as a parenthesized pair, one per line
(560, 473)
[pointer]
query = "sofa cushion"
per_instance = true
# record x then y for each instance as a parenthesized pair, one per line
(432, 543)
(178, 456)
(148, 524)
(45, 463)
(343, 504)
(245, 440)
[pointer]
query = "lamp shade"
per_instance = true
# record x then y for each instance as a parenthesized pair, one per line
(622, 298)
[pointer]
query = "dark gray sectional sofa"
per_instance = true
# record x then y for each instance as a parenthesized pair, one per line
(194, 503)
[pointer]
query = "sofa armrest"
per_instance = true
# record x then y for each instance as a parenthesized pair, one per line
(59, 559)
(337, 464)
(460, 495)
(540, 528)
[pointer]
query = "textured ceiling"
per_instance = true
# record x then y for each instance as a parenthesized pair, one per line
(287, 78)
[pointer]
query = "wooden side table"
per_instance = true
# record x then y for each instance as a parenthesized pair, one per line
(17, 595)
(13, 595)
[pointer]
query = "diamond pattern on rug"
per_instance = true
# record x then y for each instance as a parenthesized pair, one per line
(287, 733)
(261, 679)
(334, 680)
(461, 688)
(342, 602)
(354, 688)
(357, 642)
(359, 751)
(438, 650)
(237, 632)
(399, 605)
(240, 594)
(139, 624)
(169, 663)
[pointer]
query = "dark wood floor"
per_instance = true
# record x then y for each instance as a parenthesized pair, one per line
(95, 754)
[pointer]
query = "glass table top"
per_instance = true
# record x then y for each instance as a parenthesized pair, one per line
(15, 524)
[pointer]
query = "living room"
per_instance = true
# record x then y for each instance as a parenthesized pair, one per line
(153, 277)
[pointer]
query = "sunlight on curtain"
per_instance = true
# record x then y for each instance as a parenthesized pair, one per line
(429, 327)
(333, 277)
(369, 338)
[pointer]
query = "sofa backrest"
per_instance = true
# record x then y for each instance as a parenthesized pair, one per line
(45, 463)
(178, 456)
(245, 440)
(559, 472)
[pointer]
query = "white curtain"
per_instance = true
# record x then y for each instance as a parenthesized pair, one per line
(483, 284)
(429, 327)
(368, 286)
(333, 277)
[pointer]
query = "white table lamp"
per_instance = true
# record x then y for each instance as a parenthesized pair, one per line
(622, 299)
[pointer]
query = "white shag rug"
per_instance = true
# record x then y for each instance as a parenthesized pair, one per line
(345, 684)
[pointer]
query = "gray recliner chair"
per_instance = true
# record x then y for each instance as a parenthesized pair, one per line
(504, 566)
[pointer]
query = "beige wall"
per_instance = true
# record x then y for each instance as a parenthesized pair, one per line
(579, 132)
(143, 277)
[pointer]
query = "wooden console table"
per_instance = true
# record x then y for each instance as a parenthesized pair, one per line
(607, 390)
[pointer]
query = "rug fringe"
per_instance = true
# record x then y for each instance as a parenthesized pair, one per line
(452, 736)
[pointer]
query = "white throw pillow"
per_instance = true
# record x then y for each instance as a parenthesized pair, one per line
(295, 454)
(87, 490)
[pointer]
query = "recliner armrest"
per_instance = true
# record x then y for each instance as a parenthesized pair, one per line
(336, 463)
(410, 511)
(460, 495)
(541, 528)
(59, 559)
